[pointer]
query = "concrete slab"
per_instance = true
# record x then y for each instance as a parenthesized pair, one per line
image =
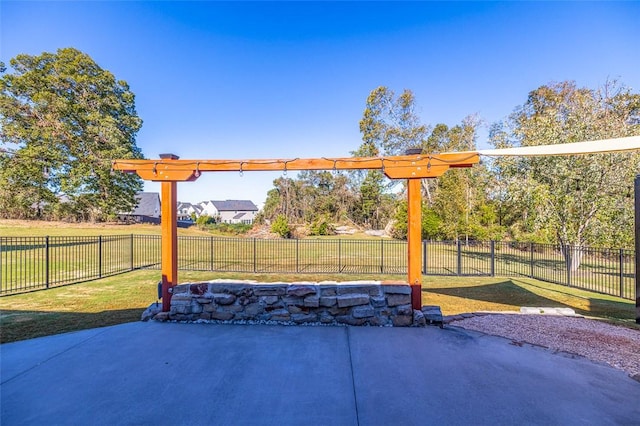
(20, 357)
(454, 376)
(190, 374)
(202, 374)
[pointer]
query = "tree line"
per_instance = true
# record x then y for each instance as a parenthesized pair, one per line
(64, 118)
(573, 200)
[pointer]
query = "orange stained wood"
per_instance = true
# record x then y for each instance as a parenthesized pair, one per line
(414, 241)
(169, 192)
(170, 170)
(395, 167)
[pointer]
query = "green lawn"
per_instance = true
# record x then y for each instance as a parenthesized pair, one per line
(28, 263)
(31, 228)
(76, 253)
(122, 298)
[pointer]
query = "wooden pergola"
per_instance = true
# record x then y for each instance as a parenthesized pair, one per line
(169, 170)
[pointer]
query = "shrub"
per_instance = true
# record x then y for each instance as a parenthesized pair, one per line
(321, 226)
(205, 220)
(231, 228)
(280, 226)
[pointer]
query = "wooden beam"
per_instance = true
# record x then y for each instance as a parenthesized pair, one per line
(395, 167)
(168, 223)
(414, 241)
(163, 174)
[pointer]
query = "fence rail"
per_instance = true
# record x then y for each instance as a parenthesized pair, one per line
(32, 263)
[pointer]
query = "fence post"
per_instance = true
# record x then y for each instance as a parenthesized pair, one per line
(131, 249)
(255, 256)
(530, 259)
(297, 255)
(381, 256)
(424, 257)
(621, 257)
(568, 264)
(493, 257)
(99, 256)
(46, 260)
(459, 258)
(211, 252)
(339, 256)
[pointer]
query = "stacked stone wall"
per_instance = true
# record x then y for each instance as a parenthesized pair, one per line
(354, 303)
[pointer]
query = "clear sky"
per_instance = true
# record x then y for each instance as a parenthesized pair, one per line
(284, 80)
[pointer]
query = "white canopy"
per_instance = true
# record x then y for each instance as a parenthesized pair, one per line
(630, 143)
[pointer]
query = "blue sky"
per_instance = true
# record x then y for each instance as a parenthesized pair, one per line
(290, 79)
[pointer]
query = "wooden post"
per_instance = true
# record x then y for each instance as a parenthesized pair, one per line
(169, 241)
(414, 241)
(169, 225)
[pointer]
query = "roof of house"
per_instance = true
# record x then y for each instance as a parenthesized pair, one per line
(148, 203)
(235, 205)
(239, 215)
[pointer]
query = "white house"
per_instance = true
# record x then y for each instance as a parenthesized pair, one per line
(186, 210)
(230, 211)
(207, 208)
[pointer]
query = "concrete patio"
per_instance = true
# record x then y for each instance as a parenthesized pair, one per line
(204, 374)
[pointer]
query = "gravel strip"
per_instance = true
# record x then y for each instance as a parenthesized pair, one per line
(616, 346)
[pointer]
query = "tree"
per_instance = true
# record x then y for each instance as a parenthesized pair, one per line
(64, 119)
(458, 203)
(313, 195)
(431, 222)
(576, 199)
(374, 205)
(389, 126)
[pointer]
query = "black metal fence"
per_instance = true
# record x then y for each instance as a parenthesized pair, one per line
(31, 263)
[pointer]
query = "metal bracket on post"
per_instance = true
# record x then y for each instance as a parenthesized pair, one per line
(159, 292)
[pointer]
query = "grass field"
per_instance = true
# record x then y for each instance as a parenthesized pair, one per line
(35, 228)
(27, 263)
(122, 298)
(77, 253)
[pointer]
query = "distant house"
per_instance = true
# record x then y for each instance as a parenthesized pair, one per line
(186, 210)
(230, 211)
(147, 209)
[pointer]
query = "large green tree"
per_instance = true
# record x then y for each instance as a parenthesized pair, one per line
(389, 126)
(63, 119)
(575, 200)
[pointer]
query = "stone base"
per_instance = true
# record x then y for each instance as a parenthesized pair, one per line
(151, 312)
(371, 303)
(433, 315)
